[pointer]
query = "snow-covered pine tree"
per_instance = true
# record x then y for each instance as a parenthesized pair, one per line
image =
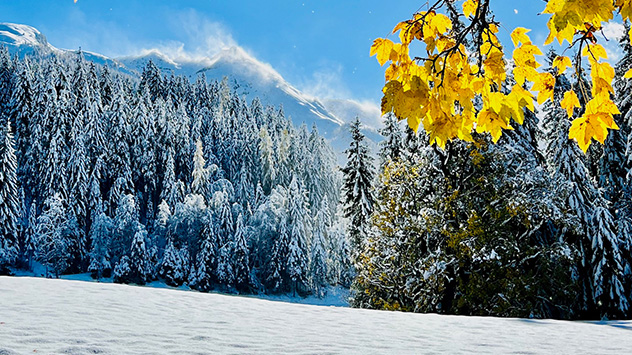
(172, 268)
(200, 182)
(391, 148)
(609, 294)
(266, 152)
(139, 258)
(22, 112)
(587, 204)
(277, 268)
(613, 163)
(298, 213)
(357, 191)
(241, 262)
(225, 271)
(53, 244)
(208, 255)
(30, 238)
(151, 80)
(125, 226)
(100, 234)
(9, 203)
(318, 260)
(171, 192)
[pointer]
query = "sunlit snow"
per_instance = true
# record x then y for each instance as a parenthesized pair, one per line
(60, 316)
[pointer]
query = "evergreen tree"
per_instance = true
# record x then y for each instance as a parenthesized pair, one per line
(139, 258)
(200, 172)
(125, 226)
(241, 261)
(207, 257)
(358, 177)
(9, 203)
(277, 274)
(172, 268)
(100, 234)
(53, 236)
(391, 148)
(318, 261)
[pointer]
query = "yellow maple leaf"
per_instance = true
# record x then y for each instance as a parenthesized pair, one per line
(569, 102)
(469, 7)
(382, 49)
(582, 131)
(544, 84)
(441, 23)
(561, 63)
(594, 52)
(519, 35)
(489, 121)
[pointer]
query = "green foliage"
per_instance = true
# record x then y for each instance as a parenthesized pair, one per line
(455, 236)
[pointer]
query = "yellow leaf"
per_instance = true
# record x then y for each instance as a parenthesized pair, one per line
(441, 23)
(519, 35)
(382, 48)
(523, 97)
(561, 63)
(569, 102)
(628, 74)
(594, 52)
(469, 7)
(544, 84)
(581, 131)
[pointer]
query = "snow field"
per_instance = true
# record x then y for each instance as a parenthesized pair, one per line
(74, 317)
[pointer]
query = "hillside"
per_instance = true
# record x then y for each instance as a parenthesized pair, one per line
(59, 316)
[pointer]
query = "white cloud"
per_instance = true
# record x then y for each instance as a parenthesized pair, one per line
(327, 85)
(613, 31)
(196, 38)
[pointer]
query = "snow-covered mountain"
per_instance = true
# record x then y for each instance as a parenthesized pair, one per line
(251, 77)
(24, 39)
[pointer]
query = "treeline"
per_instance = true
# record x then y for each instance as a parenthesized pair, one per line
(158, 177)
(528, 227)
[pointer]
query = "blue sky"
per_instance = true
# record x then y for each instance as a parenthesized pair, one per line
(321, 47)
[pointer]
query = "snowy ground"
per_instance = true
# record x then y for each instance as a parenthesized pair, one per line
(76, 317)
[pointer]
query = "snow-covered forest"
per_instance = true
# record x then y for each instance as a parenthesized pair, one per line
(158, 177)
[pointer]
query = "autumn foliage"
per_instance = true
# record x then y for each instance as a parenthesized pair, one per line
(459, 84)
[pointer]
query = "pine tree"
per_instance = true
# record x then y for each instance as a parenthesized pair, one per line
(100, 234)
(52, 236)
(586, 203)
(225, 271)
(277, 274)
(207, 257)
(391, 148)
(125, 226)
(30, 238)
(9, 203)
(358, 177)
(241, 261)
(200, 182)
(172, 268)
(608, 290)
(318, 261)
(139, 258)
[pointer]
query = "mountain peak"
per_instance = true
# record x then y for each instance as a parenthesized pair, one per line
(23, 37)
